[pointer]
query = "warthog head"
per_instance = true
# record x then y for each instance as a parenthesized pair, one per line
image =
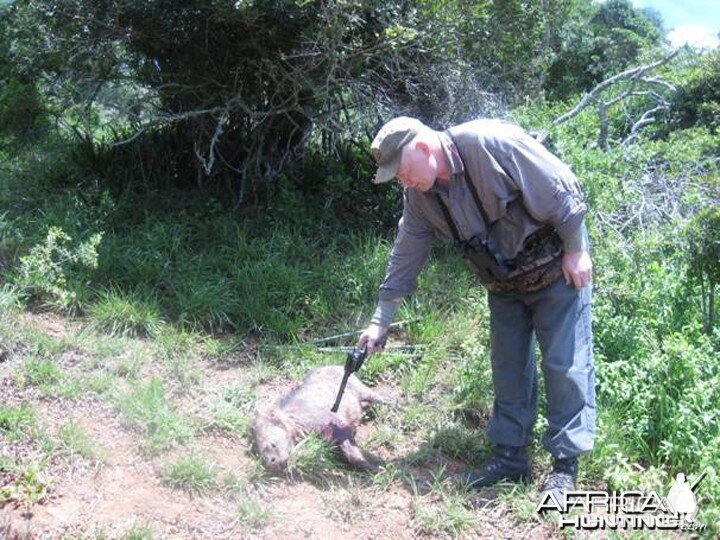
(273, 439)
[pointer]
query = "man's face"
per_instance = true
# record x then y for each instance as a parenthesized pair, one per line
(418, 167)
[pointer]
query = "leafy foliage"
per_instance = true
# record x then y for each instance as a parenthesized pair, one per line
(703, 233)
(598, 40)
(54, 271)
(697, 101)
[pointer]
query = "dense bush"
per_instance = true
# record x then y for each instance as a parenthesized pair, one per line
(697, 101)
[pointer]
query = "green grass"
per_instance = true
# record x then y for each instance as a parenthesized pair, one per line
(252, 513)
(40, 372)
(191, 473)
(10, 299)
(17, 422)
(75, 442)
(50, 380)
(232, 409)
(456, 442)
(178, 349)
(147, 408)
(125, 314)
(312, 457)
(199, 283)
(440, 510)
(138, 532)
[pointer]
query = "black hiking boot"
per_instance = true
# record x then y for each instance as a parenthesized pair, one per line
(509, 463)
(561, 479)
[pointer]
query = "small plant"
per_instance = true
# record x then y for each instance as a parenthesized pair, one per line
(22, 482)
(146, 407)
(192, 474)
(252, 514)
(55, 270)
(445, 514)
(311, 457)
(15, 422)
(703, 234)
(138, 532)
(351, 504)
(10, 298)
(132, 314)
(178, 349)
(41, 372)
(232, 410)
(75, 442)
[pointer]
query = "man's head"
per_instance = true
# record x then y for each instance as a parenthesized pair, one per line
(406, 149)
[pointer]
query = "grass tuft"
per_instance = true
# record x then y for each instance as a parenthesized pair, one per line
(252, 513)
(147, 408)
(125, 313)
(75, 442)
(192, 474)
(312, 456)
(16, 422)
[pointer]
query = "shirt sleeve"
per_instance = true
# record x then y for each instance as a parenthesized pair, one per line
(550, 191)
(409, 254)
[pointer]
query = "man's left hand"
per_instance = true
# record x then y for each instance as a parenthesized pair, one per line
(577, 268)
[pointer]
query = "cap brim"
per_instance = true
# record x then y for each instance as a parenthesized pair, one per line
(387, 172)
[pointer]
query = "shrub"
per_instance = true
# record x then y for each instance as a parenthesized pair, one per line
(55, 270)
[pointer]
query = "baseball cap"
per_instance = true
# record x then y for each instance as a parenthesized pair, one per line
(387, 146)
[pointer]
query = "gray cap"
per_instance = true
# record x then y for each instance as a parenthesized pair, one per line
(387, 146)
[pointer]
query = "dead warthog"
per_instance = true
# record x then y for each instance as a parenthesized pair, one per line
(276, 429)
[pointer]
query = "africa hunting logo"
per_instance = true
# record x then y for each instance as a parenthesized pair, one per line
(629, 509)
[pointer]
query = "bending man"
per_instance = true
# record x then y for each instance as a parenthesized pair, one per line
(516, 213)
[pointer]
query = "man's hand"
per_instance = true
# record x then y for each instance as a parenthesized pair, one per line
(577, 269)
(373, 337)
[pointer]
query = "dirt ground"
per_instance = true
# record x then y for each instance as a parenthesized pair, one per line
(122, 492)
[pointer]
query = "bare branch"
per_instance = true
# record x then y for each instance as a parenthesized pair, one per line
(207, 164)
(645, 119)
(634, 73)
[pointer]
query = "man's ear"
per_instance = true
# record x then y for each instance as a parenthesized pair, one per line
(423, 146)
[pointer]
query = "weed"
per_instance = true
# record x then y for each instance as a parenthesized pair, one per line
(53, 271)
(41, 372)
(444, 514)
(192, 474)
(23, 482)
(138, 532)
(456, 442)
(252, 513)
(385, 476)
(10, 299)
(147, 408)
(521, 501)
(75, 442)
(16, 422)
(232, 409)
(100, 384)
(349, 504)
(125, 314)
(178, 349)
(312, 456)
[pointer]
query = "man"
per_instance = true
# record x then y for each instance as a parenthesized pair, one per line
(515, 211)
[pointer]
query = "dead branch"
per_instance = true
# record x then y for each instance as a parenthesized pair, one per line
(635, 77)
(634, 73)
(645, 119)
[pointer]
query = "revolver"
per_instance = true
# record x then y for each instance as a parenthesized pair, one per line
(353, 362)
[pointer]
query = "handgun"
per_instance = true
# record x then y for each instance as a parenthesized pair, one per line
(353, 362)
